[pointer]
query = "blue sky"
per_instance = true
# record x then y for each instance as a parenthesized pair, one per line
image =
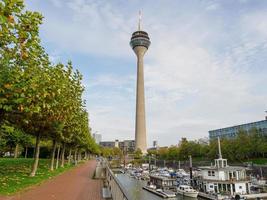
(205, 69)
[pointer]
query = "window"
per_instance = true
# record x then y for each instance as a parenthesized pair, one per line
(213, 173)
(240, 187)
(211, 186)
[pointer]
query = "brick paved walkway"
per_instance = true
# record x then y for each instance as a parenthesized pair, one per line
(77, 184)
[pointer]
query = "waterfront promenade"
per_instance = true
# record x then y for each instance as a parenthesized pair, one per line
(76, 184)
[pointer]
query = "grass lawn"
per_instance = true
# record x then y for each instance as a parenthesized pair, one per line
(259, 161)
(14, 174)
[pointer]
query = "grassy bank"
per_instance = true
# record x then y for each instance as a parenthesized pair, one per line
(14, 174)
(259, 161)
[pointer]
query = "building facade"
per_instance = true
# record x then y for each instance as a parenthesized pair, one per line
(125, 145)
(97, 137)
(231, 132)
(155, 144)
(109, 144)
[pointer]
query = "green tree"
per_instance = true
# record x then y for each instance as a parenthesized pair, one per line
(138, 154)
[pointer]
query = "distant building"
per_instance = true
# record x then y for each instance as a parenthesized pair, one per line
(204, 140)
(126, 145)
(116, 143)
(155, 144)
(231, 132)
(109, 144)
(97, 137)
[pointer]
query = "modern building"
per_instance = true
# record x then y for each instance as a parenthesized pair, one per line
(231, 132)
(155, 144)
(125, 145)
(140, 43)
(109, 144)
(222, 178)
(117, 143)
(204, 141)
(97, 137)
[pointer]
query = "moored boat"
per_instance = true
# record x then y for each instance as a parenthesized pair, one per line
(187, 190)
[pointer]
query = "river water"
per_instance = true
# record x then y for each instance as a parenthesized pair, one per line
(134, 189)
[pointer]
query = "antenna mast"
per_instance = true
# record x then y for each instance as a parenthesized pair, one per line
(139, 21)
(219, 147)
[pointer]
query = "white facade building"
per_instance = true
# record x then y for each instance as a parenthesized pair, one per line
(223, 179)
(97, 137)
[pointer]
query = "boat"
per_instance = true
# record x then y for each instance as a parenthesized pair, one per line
(167, 193)
(187, 190)
(151, 186)
(164, 194)
(180, 173)
(222, 179)
(161, 186)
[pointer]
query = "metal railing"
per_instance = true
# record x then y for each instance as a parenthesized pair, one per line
(116, 189)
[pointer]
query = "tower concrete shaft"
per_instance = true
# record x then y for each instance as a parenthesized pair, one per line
(140, 120)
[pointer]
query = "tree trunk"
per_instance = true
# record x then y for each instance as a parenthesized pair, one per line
(79, 156)
(85, 155)
(26, 152)
(58, 151)
(16, 151)
(63, 155)
(33, 152)
(53, 155)
(69, 157)
(75, 156)
(36, 155)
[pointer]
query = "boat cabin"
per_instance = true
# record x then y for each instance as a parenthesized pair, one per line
(185, 187)
(163, 182)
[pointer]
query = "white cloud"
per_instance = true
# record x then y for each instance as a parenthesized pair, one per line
(256, 23)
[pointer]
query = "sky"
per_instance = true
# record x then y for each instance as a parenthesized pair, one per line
(205, 68)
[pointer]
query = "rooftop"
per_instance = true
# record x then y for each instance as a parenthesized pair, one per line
(228, 168)
(239, 126)
(164, 178)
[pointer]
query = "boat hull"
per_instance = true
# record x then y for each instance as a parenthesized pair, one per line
(188, 194)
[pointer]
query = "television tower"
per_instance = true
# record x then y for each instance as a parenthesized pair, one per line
(140, 43)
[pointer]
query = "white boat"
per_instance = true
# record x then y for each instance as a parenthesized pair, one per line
(181, 173)
(151, 186)
(187, 190)
(166, 193)
(160, 192)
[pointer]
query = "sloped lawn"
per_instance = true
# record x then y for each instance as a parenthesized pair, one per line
(14, 174)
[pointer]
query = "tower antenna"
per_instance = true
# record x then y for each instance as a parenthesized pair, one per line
(219, 147)
(139, 21)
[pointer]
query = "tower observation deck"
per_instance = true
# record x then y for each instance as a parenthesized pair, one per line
(140, 42)
(140, 38)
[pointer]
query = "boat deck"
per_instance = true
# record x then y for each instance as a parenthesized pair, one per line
(163, 194)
